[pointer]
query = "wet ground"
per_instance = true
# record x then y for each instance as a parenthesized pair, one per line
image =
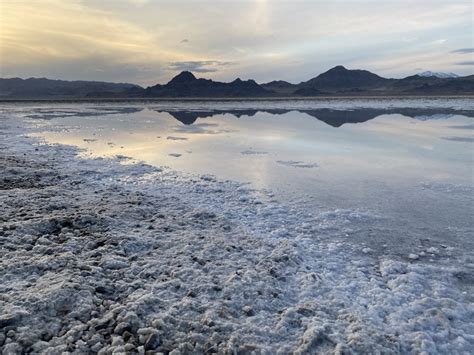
(353, 241)
(405, 165)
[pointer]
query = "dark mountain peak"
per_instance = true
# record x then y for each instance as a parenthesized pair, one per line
(183, 77)
(186, 85)
(341, 71)
(338, 68)
(277, 82)
(341, 79)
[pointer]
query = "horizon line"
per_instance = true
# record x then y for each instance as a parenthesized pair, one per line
(194, 74)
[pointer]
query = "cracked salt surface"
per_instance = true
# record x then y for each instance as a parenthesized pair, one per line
(100, 256)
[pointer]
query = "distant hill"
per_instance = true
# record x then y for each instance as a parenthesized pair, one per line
(341, 79)
(186, 84)
(42, 88)
(280, 87)
(432, 85)
(456, 86)
(338, 81)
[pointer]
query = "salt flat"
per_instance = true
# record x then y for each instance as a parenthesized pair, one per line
(111, 255)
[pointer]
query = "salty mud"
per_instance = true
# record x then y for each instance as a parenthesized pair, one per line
(112, 256)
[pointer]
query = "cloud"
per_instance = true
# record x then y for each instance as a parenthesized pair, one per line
(469, 62)
(463, 50)
(47, 31)
(138, 2)
(144, 41)
(199, 66)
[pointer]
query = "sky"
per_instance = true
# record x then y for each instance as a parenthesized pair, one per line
(148, 42)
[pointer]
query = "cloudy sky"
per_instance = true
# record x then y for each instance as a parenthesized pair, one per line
(147, 41)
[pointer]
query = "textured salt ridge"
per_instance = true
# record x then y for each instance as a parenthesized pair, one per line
(98, 256)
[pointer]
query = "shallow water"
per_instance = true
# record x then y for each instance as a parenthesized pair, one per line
(399, 172)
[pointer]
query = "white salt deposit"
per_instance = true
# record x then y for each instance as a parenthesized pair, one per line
(101, 256)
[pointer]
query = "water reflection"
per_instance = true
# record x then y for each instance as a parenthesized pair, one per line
(391, 141)
(334, 118)
(411, 165)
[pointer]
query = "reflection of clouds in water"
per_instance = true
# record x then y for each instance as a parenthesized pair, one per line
(297, 164)
(459, 139)
(201, 128)
(468, 126)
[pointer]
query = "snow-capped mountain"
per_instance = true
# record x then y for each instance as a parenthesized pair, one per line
(438, 74)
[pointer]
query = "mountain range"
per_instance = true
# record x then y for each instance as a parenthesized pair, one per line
(47, 88)
(337, 81)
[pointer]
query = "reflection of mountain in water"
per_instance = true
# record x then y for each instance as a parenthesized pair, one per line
(332, 117)
(335, 118)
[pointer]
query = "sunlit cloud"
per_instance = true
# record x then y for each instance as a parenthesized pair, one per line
(48, 29)
(146, 42)
(138, 2)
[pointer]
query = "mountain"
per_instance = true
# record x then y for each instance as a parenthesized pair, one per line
(438, 74)
(42, 88)
(341, 79)
(432, 85)
(280, 87)
(452, 86)
(338, 81)
(186, 84)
